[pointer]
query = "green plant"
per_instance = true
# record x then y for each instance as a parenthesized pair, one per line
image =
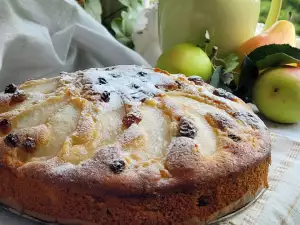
(92, 7)
(118, 16)
(123, 27)
(288, 6)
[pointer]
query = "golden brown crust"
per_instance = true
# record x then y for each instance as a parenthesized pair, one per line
(202, 202)
(126, 134)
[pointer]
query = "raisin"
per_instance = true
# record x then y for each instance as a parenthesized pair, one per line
(131, 118)
(105, 97)
(29, 144)
(179, 84)
(10, 89)
(109, 68)
(5, 126)
(12, 140)
(102, 80)
(203, 201)
(135, 86)
(187, 128)
(142, 74)
(196, 79)
(108, 212)
(224, 94)
(234, 137)
(115, 75)
(247, 118)
(17, 98)
(117, 166)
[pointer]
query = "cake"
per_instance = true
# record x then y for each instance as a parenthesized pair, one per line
(129, 145)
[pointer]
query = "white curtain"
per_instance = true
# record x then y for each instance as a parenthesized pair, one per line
(40, 38)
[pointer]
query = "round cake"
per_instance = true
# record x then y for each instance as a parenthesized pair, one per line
(129, 145)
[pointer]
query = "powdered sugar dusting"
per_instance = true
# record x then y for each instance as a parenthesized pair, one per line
(131, 83)
(132, 133)
(63, 168)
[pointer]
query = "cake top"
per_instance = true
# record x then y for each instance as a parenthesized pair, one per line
(127, 127)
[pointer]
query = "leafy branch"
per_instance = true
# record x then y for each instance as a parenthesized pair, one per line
(262, 58)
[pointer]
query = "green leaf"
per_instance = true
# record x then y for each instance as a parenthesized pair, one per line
(231, 63)
(124, 26)
(226, 78)
(215, 78)
(116, 25)
(274, 55)
(125, 2)
(93, 7)
(248, 76)
(219, 79)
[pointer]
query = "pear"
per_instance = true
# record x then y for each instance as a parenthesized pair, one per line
(282, 32)
(186, 59)
(276, 93)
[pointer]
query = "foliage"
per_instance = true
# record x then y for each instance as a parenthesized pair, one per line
(288, 6)
(262, 58)
(92, 7)
(123, 26)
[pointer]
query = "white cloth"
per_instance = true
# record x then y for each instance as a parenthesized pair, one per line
(40, 38)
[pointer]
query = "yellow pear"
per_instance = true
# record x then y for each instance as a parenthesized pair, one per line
(282, 32)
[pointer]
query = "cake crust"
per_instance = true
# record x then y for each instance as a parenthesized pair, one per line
(127, 144)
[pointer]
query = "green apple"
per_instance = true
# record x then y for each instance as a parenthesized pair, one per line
(277, 94)
(186, 59)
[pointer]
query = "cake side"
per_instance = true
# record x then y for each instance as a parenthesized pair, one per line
(203, 204)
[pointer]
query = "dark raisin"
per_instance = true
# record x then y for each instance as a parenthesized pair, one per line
(234, 137)
(135, 86)
(105, 96)
(17, 98)
(224, 94)
(144, 92)
(108, 212)
(203, 201)
(102, 80)
(179, 84)
(187, 128)
(5, 126)
(247, 118)
(134, 97)
(12, 140)
(115, 75)
(142, 74)
(117, 166)
(131, 118)
(29, 144)
(10, 89)
(196, 79)
(109, 68)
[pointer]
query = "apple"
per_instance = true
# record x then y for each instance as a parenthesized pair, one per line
(186, 59)
(276, 93)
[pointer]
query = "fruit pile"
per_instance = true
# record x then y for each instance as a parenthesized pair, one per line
(265, 70)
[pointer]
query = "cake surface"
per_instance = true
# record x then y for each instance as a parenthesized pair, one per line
(128, 145)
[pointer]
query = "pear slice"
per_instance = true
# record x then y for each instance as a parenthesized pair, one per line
(206, 137)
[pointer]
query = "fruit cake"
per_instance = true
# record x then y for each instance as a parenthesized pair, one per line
(128, 145)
